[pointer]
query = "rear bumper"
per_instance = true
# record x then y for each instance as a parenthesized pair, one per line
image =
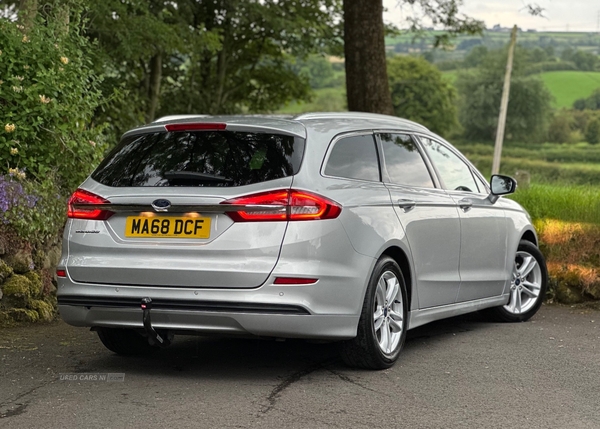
(327, 309)
(216, 322)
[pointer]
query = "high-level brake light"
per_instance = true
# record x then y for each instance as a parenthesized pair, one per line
(196, 126)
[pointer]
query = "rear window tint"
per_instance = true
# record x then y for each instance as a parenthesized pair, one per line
(355, 158)
(404, 163)
(205, 158)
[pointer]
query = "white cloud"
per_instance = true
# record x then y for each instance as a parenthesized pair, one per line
(559, 15)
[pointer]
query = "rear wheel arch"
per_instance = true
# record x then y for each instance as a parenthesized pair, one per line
(401, 258)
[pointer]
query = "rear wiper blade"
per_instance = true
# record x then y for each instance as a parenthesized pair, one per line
(191, 175)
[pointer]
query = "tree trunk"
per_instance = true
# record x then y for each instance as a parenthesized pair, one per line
(367, 84)
(28, 10)
(154, 87)
(221, 70)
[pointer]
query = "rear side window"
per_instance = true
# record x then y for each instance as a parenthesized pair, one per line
(403, 161)
(204, 158)
(354, 158)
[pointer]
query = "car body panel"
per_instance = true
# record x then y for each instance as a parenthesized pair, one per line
(483, 249)
(457, 260)
(432, 227)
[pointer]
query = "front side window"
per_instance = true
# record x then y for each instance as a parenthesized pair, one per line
(454, 173)
(200, 158)
(403, 162)
(354, 158)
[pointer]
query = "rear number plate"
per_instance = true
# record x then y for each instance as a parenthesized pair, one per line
(167, 227)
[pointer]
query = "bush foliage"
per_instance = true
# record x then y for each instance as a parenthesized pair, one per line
(420, 93)
(480, 91)
(48, 95)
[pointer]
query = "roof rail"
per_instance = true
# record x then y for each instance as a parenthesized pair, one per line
(357, 115)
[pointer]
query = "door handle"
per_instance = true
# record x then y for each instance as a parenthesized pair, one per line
(465, 205)
(406, 205)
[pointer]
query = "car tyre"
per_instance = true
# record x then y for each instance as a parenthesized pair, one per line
(528, 286)
(383, 321)
(125, 342)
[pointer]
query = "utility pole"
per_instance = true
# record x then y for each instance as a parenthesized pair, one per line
(504, 103)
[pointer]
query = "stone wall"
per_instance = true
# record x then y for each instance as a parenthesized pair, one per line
(27, 282)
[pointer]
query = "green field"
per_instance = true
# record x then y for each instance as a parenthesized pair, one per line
(568, 86)
(565, 86)
(565, 179)
(567, 203)
(559, 36)
(548, 163)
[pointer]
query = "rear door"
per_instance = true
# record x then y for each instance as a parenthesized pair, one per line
(168, 225)
(429, 217)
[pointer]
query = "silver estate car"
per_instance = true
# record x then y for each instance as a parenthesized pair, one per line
(351, 227)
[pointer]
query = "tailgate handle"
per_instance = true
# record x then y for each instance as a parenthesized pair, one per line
(406, 205)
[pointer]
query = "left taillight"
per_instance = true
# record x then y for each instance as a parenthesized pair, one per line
(78, 210)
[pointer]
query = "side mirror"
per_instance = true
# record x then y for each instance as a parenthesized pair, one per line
(501, 185)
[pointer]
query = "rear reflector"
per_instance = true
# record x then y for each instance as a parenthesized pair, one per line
(61, 273)
(283, 205)
(294, 281)
(77, 209)
(198, 126)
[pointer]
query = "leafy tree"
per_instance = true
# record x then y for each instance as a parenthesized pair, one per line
(366, 76)
(592, 132)
(48, 95)
(592, 102)
(138, 38)
(538, 55)
(420, 93)
(222, 56)
(480, 92)
(319, 71)
(560, 128)
(475, 56)
(585, 61)
(251, 68)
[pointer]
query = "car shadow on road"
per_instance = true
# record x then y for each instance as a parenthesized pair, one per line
(241, 358)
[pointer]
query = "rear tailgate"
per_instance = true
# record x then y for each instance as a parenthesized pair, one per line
(236, 255)
(168, 226)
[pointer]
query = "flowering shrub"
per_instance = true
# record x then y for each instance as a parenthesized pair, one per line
(12, 195)
(34, 210)
(48, 94)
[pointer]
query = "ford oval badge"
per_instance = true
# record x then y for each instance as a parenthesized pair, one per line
(161, 205)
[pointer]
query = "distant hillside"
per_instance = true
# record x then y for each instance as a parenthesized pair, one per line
(408, 43)
(568, 86)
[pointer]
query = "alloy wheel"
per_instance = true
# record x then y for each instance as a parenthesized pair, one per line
(388, 315)
(526, 284)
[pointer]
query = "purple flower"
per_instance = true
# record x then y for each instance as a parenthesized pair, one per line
(12, 194)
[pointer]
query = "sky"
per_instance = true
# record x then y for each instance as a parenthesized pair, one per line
(559, 15)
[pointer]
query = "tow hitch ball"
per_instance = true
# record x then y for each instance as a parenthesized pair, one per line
(154, 338)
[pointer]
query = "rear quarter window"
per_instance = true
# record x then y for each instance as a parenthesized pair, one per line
(201, 158)
(354, 158)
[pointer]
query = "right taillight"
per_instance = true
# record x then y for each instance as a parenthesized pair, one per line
(283, 205)
(78, 210)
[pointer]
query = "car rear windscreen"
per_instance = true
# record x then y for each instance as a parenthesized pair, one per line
(200, 158)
